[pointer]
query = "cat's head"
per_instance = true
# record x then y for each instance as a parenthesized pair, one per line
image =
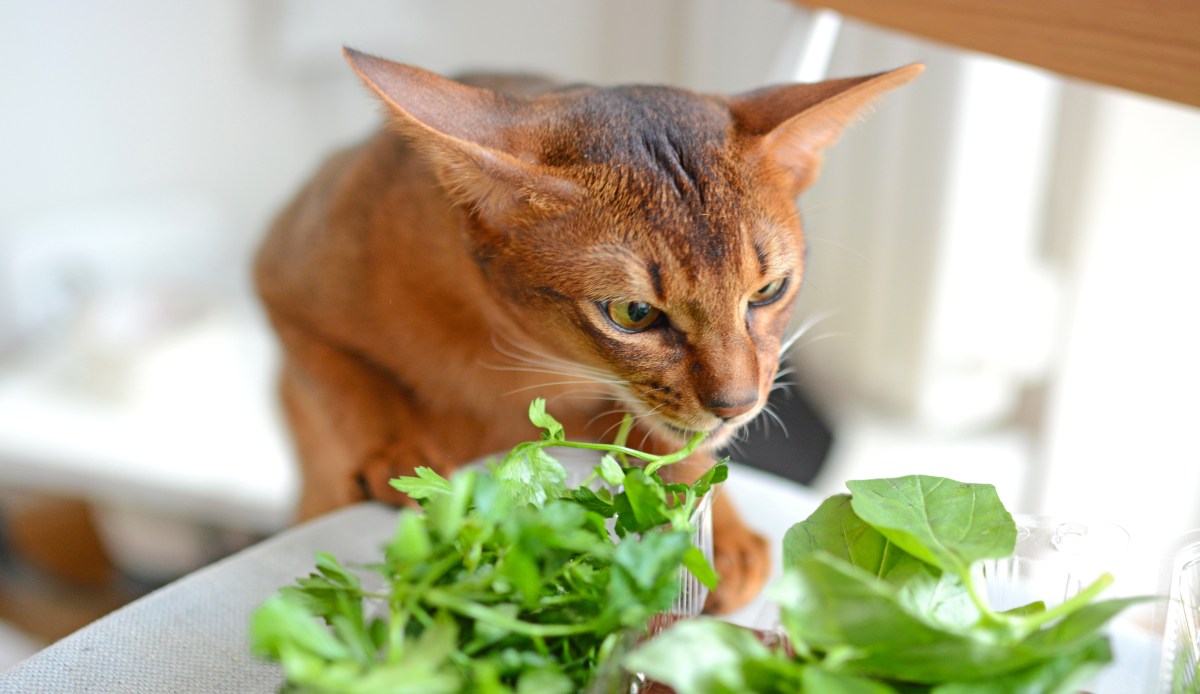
(647, 235)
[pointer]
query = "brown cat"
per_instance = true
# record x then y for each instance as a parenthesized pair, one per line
(610, 249)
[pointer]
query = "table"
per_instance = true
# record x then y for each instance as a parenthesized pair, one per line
(191, 636)
(1147, 46)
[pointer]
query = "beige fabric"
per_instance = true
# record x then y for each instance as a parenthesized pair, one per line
(192, 636)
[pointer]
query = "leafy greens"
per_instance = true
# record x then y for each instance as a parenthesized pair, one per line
(881, 595)
(503, 582)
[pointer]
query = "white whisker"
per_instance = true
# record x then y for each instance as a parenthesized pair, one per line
(803, 328)
(840, 246)
(770, 412)
(549, 384)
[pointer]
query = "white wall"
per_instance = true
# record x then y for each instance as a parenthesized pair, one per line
(160, 127)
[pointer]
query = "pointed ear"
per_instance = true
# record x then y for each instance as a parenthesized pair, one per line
(791, 125)
(474, 138)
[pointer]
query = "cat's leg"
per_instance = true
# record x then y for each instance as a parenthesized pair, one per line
(351, 423)
(741, 556)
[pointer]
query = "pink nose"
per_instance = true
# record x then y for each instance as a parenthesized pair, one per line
(728, 408)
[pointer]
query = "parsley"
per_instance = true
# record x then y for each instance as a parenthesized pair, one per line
(503, 582)
(881, 595)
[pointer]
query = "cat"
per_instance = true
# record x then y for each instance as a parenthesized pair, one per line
(633, 248)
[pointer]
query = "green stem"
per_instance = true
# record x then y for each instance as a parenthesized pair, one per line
(654, 461)
(486, 614)
(1033, 622)
(980, 601)
(623, 436)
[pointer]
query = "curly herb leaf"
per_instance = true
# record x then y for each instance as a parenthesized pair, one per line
(504, 583)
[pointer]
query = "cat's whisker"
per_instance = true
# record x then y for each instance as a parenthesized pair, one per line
(734, 444)
(771, 414)
(563, 370)
(635, 417)
(540, 358)
(806, 325)
(837, 245)
(550, 384)
(607, 413)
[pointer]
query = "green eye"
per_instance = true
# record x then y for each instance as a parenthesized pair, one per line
(768, 293)
(634, 316)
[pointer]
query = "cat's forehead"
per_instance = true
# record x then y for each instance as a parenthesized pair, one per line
(668, 187)
(658, 158)
(625, 124)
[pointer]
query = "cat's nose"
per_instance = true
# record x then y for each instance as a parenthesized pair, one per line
(729, 407)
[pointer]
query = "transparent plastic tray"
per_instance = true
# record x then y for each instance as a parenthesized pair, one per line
(1180, 669)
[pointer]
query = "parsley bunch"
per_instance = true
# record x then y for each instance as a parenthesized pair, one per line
(881, 595)
(503, 582)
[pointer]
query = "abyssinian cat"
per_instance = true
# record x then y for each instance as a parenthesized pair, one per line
(609, 249)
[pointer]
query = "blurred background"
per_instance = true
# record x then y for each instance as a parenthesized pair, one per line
(1002, 276)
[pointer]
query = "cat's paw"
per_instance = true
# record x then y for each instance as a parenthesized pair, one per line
(741, 558)
(388, 463)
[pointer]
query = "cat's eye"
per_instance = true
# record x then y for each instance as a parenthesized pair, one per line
(768, 292)
(633, 316)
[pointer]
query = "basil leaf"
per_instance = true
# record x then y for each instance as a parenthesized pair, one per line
(943, 522)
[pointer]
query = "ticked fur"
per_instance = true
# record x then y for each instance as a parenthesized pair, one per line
(427, 284)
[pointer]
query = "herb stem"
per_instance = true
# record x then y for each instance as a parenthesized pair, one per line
(486, 614)
(654, 462)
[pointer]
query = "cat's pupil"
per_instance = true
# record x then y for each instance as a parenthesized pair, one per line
(638, 311)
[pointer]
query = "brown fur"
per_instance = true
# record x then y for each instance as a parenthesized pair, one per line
(429, 283)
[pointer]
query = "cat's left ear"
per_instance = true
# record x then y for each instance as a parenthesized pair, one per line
(792, 125)
(480, 142)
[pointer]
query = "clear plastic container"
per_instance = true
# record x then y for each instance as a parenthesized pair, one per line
(1180, 669)
(1054, 559)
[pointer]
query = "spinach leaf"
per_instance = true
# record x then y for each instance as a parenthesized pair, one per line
(699, 655)
(836, 529)
(943, 522)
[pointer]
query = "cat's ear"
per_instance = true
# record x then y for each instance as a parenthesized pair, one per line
(473, 137)
(791, 125)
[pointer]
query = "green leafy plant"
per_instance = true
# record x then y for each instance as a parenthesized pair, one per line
(881, 594)
(502, 582)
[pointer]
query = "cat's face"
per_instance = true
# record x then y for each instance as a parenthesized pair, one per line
(673, 270)
(648, 236)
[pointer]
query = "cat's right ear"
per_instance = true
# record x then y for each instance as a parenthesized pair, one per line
(792, 125)
(473, 137)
